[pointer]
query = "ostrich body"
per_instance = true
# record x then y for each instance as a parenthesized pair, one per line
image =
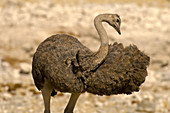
(62, 63)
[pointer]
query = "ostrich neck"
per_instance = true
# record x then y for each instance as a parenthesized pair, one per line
(92, 61)
(102, 52)
(101, 31)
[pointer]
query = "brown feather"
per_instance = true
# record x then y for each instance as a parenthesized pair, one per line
(58, 60)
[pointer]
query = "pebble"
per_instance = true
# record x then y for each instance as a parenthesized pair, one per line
(6, 96)
(25, 68)
(165, 76)
(146, 105)
(16, 73)
(5, 65)
(27, 47)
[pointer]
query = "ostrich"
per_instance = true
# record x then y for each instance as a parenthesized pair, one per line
(62, 63)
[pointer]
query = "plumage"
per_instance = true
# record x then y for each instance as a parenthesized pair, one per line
(62, 63)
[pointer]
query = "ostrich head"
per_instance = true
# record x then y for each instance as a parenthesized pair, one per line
(114, 20)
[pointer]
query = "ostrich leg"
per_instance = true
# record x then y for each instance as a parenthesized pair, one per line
(72, 102)
(46, 93)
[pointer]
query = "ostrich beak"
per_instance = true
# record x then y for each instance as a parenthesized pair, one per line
(118, 29)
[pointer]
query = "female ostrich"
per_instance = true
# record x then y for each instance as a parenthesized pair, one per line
(62, 63)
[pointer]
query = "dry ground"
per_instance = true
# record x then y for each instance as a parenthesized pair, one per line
(25, 24)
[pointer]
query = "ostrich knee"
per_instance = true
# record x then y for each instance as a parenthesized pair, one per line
(71, 104)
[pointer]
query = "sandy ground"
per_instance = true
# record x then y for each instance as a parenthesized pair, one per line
(24, 25)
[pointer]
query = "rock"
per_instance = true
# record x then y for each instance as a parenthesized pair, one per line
(28, 47)
(98, 104)
(5, 65)
(16, 73)
(135, 99)
(6, 96)
(25, 68)
(165, 76)
(146, 105)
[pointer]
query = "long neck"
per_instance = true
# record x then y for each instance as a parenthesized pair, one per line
(103, 50)
(101, 31)
(91, 62)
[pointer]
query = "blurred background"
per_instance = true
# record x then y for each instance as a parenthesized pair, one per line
(26, 23)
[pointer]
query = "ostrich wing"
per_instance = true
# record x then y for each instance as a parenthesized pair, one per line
(56, 60)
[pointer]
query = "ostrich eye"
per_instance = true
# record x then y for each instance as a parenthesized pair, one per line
(117, 20)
